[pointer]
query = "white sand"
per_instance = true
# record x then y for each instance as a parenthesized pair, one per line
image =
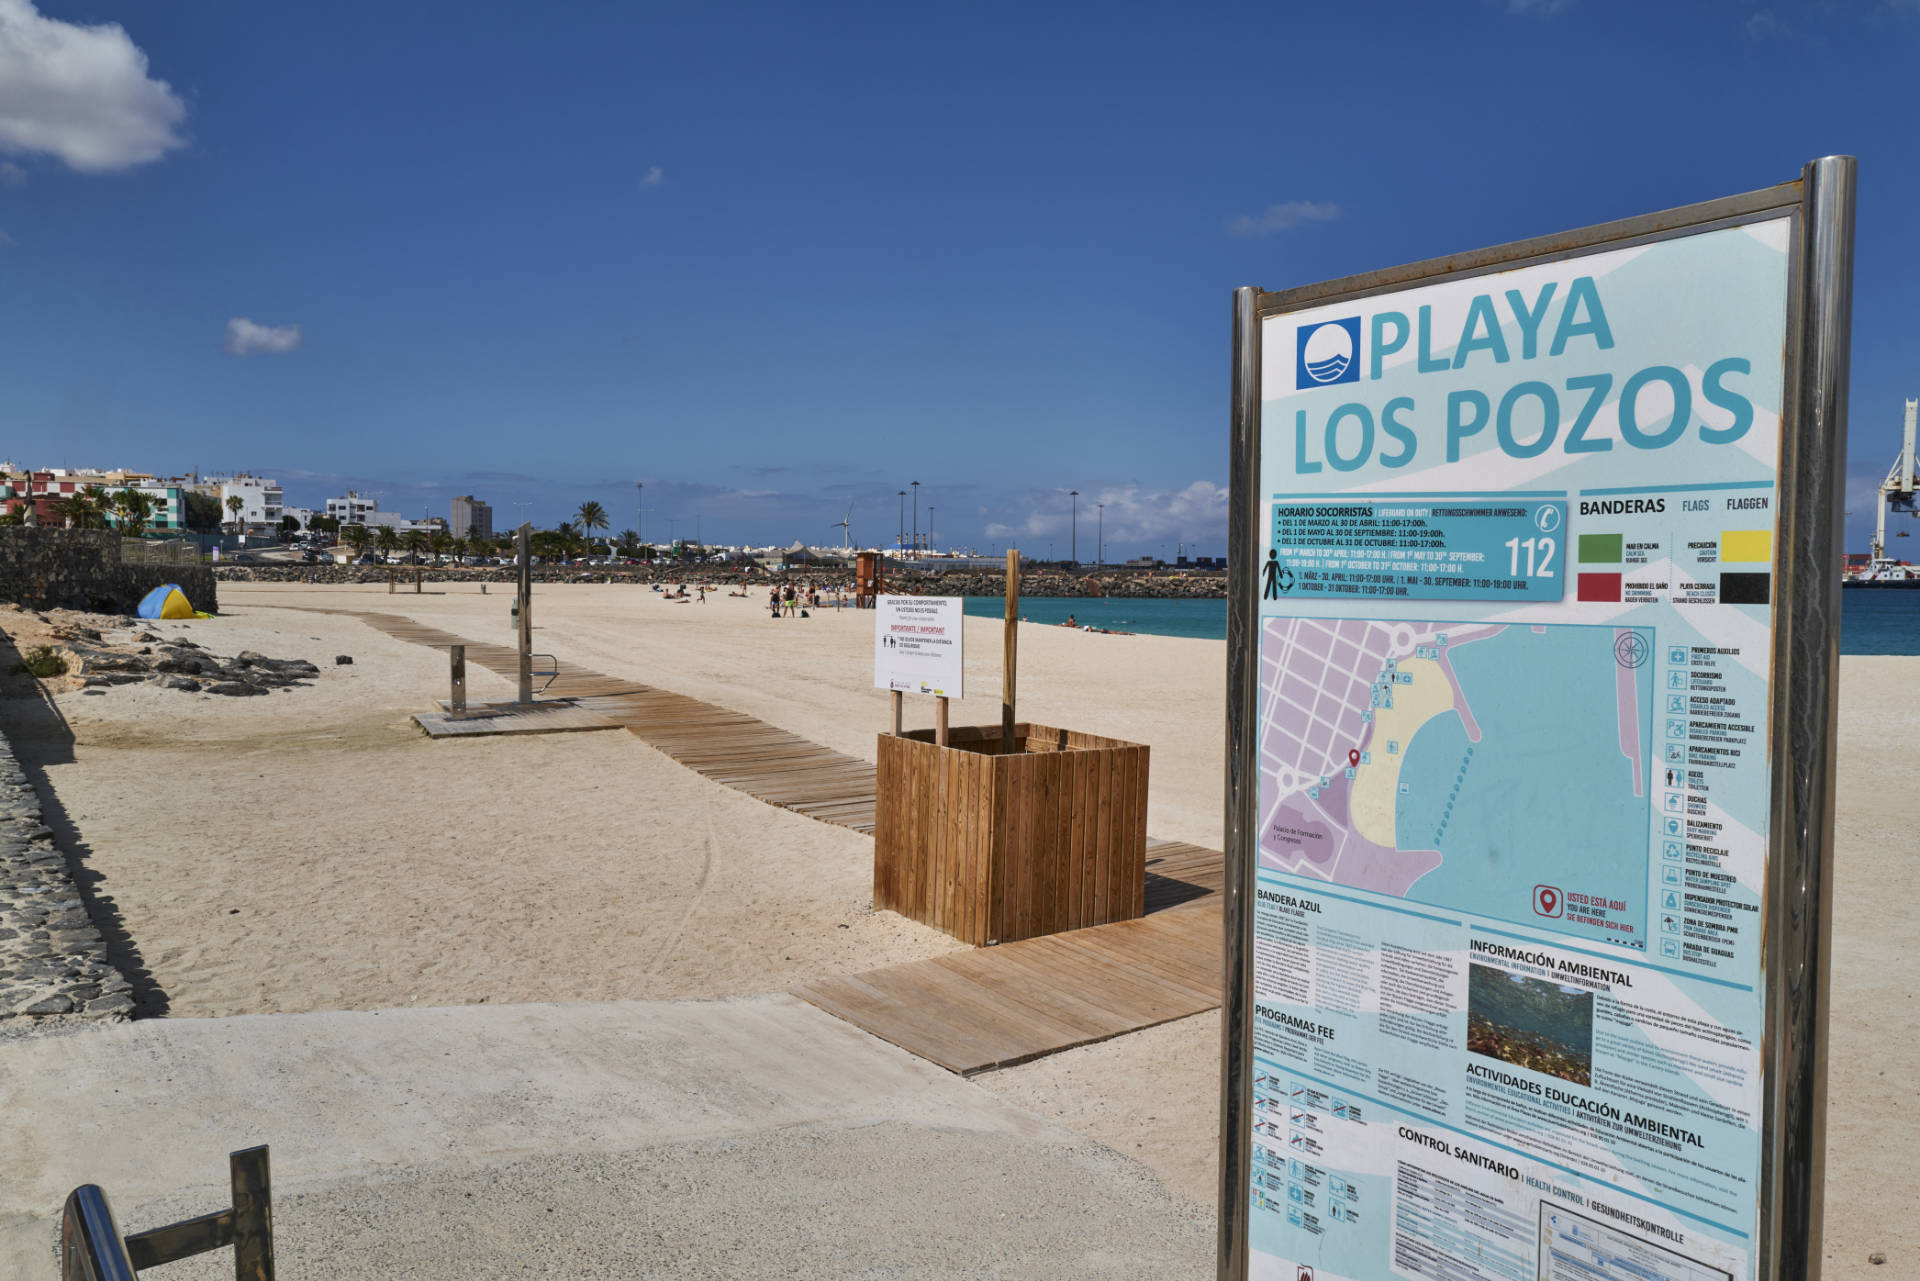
(313, 850)
(587, 866)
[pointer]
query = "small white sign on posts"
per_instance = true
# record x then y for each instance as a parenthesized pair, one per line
(917, 645)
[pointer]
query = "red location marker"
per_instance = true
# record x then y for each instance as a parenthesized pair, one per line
(1353, 756)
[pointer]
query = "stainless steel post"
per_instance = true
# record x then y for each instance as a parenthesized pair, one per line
(524, 537)
(1806, 669)
(457, 703)
(91, 1248)
(1236, 1049)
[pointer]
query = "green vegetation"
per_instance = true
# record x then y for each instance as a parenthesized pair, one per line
(42, 661)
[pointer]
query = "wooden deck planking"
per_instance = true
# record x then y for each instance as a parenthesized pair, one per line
(997, 1006)
(968, 1011)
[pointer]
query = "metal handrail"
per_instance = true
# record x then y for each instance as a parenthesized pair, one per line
(90, 1245)
(92, 1249)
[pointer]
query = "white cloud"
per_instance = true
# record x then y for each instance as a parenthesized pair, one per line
(1762, 24)
(1545, 8)
(81, 94)
(1284, 217)
(244, 338)
(654, 177)
(12, 175)
(1133, 516)
(5, 239)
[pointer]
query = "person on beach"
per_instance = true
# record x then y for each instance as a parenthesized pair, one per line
(1070, 622)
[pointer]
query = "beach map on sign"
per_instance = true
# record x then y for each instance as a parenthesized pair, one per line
(1428, 760)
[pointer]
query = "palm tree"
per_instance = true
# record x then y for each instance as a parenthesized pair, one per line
(356, 536)
(101, 502)
(234, 504)
(416, 541)
(442, 543)
(591, 516)
(135, 509)
(629, 541)
(386, 540)
(77, 512)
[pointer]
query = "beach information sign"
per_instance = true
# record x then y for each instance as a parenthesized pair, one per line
(1525, 547)
(917, 645)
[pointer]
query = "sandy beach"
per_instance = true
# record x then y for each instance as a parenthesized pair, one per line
(313, 851)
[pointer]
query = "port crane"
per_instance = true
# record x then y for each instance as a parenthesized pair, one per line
(1896, 491)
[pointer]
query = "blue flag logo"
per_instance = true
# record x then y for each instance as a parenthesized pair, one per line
(1329, 354)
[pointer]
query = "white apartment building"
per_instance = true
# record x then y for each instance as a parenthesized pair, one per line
(355, 510)
(261, 500)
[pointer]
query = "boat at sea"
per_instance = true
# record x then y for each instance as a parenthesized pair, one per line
(1883, 572)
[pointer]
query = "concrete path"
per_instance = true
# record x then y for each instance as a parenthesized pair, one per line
(747, 1137)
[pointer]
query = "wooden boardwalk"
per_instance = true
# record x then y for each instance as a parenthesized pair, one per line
(731, 748)
(996, 1006)
(967, 1011)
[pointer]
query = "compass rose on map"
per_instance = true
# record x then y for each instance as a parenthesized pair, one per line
(1630, 649)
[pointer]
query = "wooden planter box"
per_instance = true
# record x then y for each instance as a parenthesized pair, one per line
(992, 847)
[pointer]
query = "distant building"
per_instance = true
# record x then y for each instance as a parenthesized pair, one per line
(261, 500)
(471, 516)
(355, 510)
(302, 516)
(42, 492)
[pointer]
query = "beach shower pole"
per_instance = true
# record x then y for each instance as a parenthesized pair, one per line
(524, 538)
(1012, 645)
(457, 701)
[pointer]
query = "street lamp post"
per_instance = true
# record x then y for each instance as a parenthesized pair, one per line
(1075, 544)
(929, 526)
(916, 515)
(640, 494)
(1100, 537)
(900, 539)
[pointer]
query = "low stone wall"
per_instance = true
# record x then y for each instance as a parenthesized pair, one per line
(52, 960)
(1042, 582)
(82, 569)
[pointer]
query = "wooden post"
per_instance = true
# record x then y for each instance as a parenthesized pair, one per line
(389, 582)
(457, 704)
(899, 709)
(1012, 645)
(940, 722)
(252, 1183)
(416, 580)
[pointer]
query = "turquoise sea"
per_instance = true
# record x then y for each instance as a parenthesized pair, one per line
(1871, 621)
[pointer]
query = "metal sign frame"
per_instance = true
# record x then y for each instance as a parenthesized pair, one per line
(1804, 681)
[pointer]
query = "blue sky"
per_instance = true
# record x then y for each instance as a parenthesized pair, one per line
(773, 260)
